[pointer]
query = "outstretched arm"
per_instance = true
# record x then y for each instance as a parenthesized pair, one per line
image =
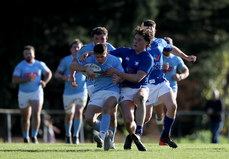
(176, 51)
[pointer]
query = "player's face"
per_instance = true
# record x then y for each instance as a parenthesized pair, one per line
(98, 39)
(101, 58)
(75, 48)
(29, 55)
(139, 43)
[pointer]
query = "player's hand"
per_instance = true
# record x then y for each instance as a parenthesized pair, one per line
(84, 56)
(191, 58)
(90, 74)
(177, 77)
(116, 79)
(111, 71)
(43, 84)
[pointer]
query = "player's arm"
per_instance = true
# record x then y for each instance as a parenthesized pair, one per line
(60, 76)
(47, 78)
(126, 76)
(18, 79)
(176, 51)
(85, 55)
(184, 73)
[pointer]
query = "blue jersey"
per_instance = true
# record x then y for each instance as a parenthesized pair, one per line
(24, 69)
(90, 47)
(156, 50)
(79, 77)
(175, 64)
(132, 63)
(105, 82)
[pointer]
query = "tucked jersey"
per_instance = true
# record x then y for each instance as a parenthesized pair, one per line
(90, 47)
(175, 64)
(156, 50)
(103, 82)
(132, 63)
(24, 69)
(79, 77)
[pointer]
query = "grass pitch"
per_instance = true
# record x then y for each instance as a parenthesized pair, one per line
(90, 151)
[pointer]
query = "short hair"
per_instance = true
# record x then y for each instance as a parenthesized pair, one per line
(149, 23)
(99, 31)
(100, 48)
(76, 41)
(29, 47)
(147, 34)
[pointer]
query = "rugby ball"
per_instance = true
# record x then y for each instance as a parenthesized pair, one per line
(97, 69)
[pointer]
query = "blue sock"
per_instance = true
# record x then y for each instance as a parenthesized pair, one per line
(34, 132)
(97, 125)
(68, 129)
(168, 123)
(77, 125)
(113, 129)
(139, 130)
(105, 122)
(25, 134)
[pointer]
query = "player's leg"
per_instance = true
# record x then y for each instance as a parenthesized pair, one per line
(36, 118)
(113, 125)
(80, 101)
(25, 122)
(171, 106)
(140, 100)
(149, 112)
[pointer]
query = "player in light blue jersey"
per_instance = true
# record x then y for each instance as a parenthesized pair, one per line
(137, 64)
(28, 74)
(100, 35)
(74, 98)
(106, 93)
(159, 88)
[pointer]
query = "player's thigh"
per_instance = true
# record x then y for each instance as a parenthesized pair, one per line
(169, 100)
(92, 111)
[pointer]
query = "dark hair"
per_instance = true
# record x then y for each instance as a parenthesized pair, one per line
(147, 34)
(29, 47)
(100, 48)
(149, 23)
(76, 41)
(99, 31)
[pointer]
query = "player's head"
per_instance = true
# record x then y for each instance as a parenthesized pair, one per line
(99, 35)
(100, 52)
(150, 24)
(170, 42)
(29, 53)
(143, 38)
(75, 46)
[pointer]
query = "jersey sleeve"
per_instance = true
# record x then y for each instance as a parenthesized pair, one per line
(167, 47)
(180, 63)
(44, 67)
(17, 71)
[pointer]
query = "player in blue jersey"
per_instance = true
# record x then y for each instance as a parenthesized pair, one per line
(99, 35)
(159, 88)
(174, 70)
(106, 93)
(74, 98)
(28, 74)
(137, 64)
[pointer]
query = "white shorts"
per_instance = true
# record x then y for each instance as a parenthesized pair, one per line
(155, 91)
(24, 98)
(90, 90)
(76, 99)
(128, 93)
(158, 102)
(100, 97)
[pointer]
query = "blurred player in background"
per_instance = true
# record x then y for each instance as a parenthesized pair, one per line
(74, 98)
(28, 74)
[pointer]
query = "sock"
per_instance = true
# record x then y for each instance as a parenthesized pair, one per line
(105, 122)
(77, 125)
(34, 132)
(168, 123)
(25, 134)
(139, 130)
(97, 125)
(113, 129)
(68, 129)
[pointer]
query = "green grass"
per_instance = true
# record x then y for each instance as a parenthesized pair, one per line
(89, 151)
